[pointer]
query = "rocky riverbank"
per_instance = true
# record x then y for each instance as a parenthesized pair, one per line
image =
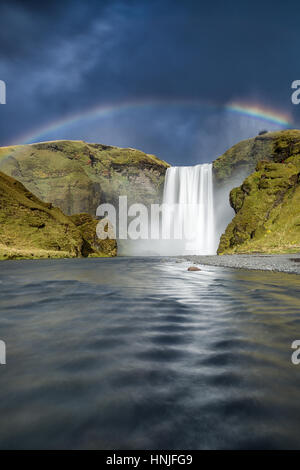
(283, 263)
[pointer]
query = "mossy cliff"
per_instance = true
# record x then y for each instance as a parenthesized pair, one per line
(87, 226)
(238, 162)
(241, 159)
(30, 228)
(267, 204)
(76, 176)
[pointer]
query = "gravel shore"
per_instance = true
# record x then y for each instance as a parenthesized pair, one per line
(288, 263)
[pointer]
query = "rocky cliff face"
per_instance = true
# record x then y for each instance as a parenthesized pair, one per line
(92, 244)
(77, 176)
(30, 228)
(241, 159)
(267, 203)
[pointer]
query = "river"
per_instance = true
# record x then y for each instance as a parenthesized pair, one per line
(139, 353)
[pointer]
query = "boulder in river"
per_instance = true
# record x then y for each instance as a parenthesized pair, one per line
(193, 268)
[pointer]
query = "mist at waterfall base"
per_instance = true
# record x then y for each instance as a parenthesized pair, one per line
(190, 222)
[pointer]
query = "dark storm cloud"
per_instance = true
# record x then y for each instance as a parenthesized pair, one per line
(63, 57)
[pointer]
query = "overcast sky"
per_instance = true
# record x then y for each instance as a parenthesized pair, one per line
(66, 57)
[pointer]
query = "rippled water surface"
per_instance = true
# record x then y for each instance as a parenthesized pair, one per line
(133, 353)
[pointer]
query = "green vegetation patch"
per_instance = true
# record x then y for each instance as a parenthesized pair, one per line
(31, 228)
(267, 206)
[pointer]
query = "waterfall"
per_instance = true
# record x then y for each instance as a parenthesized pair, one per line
(185, 222)
(188, 196)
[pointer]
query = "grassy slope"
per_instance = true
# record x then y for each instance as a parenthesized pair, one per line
(30, 228)
(77, 176)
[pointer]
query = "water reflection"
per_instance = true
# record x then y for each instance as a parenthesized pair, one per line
(139, 353)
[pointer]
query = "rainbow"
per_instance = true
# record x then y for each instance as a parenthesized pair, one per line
(102, 111)
(261, 113)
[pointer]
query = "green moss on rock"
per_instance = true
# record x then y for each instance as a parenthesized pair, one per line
(93, 245)
(243, 157)
(31, 228)
(77, 176)
(267, 209)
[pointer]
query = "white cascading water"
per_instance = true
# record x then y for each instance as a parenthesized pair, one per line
(190, 189)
